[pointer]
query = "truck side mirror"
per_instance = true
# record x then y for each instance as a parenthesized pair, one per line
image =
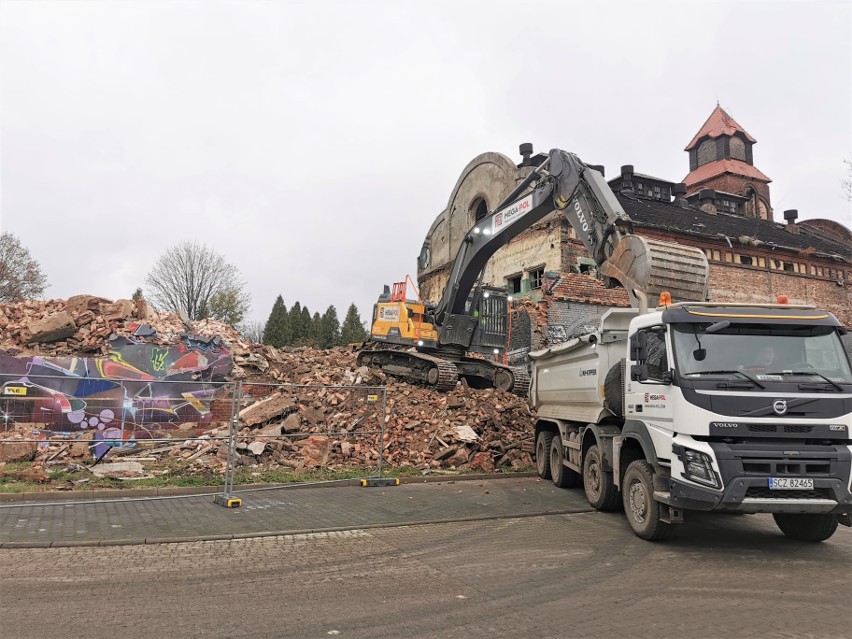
(638, 372)
(638, 350)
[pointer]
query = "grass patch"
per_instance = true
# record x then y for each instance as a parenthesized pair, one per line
(178, 475)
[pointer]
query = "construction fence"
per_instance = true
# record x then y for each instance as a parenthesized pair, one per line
(81, 429)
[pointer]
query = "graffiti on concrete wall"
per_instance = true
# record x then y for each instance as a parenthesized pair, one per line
(134, 392)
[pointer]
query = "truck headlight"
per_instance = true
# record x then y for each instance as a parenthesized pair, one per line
(698, 467)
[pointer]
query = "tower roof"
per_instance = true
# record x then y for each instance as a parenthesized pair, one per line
(718, 124)
(721, 167)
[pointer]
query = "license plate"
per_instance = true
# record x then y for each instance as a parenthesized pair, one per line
(790, 483)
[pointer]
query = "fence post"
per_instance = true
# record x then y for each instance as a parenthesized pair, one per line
(226, 498)
(382, 429)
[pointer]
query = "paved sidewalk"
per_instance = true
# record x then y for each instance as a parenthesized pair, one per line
(280, 511)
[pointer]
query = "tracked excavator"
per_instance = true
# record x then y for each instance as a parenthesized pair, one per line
(562, 182)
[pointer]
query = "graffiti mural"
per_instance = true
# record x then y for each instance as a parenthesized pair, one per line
(139, 389)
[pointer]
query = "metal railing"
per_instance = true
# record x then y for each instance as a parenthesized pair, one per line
(191, 426)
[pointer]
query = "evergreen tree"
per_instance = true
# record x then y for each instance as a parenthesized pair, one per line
(353, 328)
(306, 327)
(295, 317)
(329, 329)
(316, 330)
(277, 330)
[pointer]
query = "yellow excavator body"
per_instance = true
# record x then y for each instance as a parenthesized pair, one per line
(400, 321)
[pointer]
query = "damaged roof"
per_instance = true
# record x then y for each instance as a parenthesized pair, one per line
(718, 226)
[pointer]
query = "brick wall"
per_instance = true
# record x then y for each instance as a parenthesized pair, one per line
(731, 283)
(735, 184)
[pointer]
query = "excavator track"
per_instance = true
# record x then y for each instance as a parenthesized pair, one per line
(440, 374)
(521, 385)
(443, 374)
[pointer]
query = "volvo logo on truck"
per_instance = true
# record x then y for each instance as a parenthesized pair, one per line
(779, 406)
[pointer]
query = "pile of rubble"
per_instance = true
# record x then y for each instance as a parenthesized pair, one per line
(83, 325)
(321, 412)
(301, 409)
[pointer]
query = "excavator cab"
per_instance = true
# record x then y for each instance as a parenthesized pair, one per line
(401, 321)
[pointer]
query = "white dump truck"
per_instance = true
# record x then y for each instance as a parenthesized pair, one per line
(698, 406)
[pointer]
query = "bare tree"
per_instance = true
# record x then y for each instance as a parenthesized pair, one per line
(252, 331)
(21, 277)
(189, 276)
(846, 182)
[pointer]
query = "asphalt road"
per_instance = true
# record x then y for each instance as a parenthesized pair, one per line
(566, 575)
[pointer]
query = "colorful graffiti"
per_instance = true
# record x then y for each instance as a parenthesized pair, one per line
(134, 392)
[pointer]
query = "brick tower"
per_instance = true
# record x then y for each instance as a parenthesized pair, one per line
(720, 158)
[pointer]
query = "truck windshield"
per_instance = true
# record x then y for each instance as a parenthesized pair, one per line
(764, 352)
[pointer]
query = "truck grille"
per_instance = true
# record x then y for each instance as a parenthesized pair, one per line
(780, 428)
(756, 492)
(787, 467)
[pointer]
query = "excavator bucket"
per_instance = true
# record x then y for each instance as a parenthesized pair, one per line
(655, 266)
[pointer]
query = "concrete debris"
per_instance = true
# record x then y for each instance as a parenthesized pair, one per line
(118, 470)
(52, 328)
(12, 451)
(257, 448)
(266, 409)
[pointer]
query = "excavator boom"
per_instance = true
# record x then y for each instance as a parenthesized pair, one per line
(562, 182)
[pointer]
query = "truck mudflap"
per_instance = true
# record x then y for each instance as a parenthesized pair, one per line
(753, 495)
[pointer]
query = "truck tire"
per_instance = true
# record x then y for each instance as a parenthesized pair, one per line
(600, 489)
(807, 527)
(562, 476)
(642, 512)
(542, 453)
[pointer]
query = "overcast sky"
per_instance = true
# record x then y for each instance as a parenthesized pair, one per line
(312, 144)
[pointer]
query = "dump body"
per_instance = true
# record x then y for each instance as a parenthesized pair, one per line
(568, 380)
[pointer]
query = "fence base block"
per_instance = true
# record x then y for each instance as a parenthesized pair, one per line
(227, 502)
(380, 481)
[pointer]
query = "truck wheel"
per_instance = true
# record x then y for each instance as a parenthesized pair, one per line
(806, 527)
(643, 513)
(600, 489)
(542, 453)
(561, 475)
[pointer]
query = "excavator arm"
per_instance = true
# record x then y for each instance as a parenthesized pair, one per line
(563, 182)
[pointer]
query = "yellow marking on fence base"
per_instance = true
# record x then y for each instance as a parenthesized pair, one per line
(227, 502)
(380, 481)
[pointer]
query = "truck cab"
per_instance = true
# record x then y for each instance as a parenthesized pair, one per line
(723, 407)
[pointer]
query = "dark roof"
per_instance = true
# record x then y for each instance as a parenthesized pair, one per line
(618, 178)
(693, 221)
(695, 194)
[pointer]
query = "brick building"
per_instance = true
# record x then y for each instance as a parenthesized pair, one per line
(722, 206)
